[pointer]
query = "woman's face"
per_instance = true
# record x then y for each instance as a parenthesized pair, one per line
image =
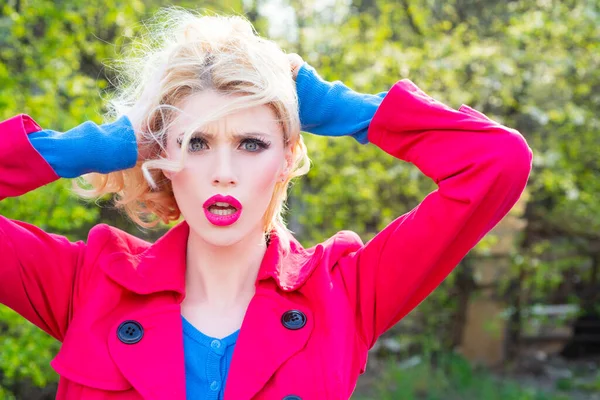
(230, 171)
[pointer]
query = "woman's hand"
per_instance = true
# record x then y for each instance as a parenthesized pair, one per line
(295, 63)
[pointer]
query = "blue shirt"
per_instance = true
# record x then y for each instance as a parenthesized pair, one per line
(207, 362)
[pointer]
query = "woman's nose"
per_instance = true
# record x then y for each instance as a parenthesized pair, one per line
(224, 171)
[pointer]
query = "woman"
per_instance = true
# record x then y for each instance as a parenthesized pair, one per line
(227, 304)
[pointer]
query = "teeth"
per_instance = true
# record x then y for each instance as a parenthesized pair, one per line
(223, 212)
(222, 204)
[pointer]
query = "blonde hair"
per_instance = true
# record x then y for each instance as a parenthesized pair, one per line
(185, 53)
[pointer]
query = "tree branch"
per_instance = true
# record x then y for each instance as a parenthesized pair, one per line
(411, 19)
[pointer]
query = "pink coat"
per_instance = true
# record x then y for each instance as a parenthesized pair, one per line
(346, 293)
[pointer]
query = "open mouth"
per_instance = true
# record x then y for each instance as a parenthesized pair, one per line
(222, 208)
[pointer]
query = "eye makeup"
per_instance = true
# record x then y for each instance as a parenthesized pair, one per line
(254, 144)
(249, 142)
(196, 143)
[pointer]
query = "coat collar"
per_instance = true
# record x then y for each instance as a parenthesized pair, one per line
(145, 268)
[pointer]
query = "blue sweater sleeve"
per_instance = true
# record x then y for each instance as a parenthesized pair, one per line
(331, 108)
(88, 148)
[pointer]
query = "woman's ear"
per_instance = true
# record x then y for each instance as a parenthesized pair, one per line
(287, 164)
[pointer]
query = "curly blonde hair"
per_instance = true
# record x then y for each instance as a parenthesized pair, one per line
(185, 53)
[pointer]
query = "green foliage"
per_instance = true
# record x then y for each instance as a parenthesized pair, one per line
(352, 187)
(52, 208)
(25, 352)
(453, 379)
(578, 383)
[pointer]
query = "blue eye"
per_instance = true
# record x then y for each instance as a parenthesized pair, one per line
(251, 146)
(196, 144)
(254, 145)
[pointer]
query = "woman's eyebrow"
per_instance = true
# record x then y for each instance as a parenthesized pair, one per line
(235, 135)
(243, 135)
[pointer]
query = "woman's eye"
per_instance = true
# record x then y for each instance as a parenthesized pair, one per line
(250, 146)
(197, 144)
(254, 145)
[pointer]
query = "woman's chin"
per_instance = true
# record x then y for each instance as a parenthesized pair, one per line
(221, 236)
(223, 240)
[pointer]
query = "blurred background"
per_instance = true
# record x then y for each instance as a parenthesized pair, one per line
(520, 317)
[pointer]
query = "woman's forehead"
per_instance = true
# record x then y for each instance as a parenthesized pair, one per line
(196, 109)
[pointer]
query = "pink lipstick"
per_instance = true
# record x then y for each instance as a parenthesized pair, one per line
(222, 210)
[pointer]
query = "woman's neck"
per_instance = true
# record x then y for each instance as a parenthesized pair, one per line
(223, 277)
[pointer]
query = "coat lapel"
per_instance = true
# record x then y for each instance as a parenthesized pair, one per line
(264, 343)
(155, 365)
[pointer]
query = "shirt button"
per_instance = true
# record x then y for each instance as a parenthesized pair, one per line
(214, 386)
(215, 344)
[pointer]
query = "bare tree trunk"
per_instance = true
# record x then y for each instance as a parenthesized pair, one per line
(465, 285)
(515, 323)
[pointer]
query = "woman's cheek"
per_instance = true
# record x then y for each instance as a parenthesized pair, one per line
(263, 173)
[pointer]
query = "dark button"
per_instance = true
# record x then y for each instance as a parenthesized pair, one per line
(130, 332)
(292, 397)
(293, 319)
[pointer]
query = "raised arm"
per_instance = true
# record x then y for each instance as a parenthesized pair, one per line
(481, 169)
(40, 272)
